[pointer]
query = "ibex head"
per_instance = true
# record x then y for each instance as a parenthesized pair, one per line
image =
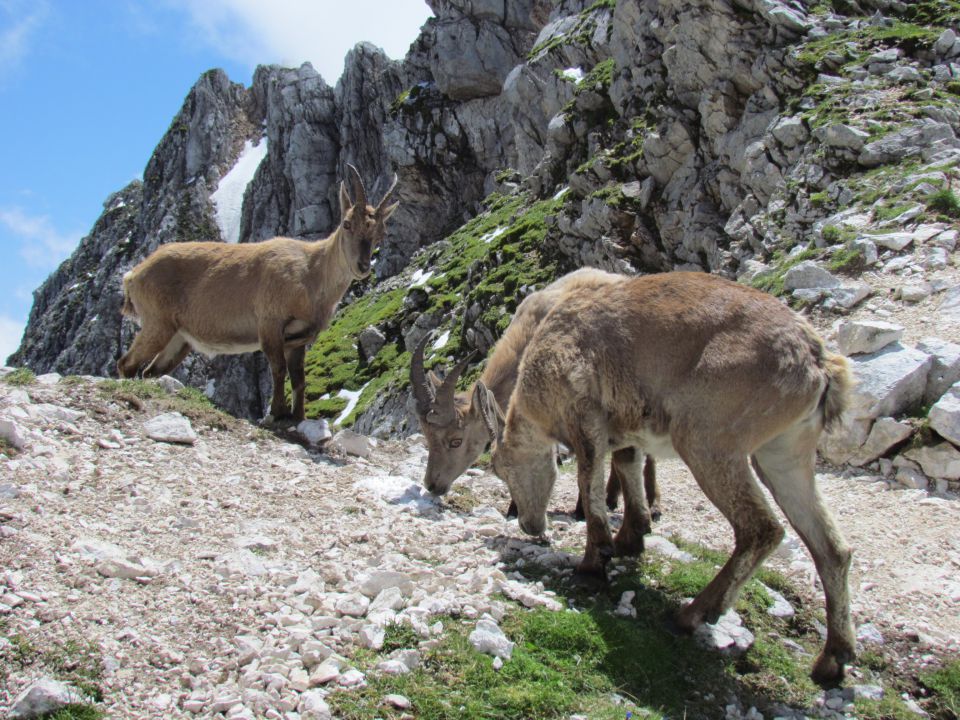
(362, 225)
(457, 425)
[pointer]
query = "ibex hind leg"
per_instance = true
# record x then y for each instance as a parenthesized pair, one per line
(731, 487)
(786, 465)
(149, 342)
(651, 487)
(271, 342)
(590, 472)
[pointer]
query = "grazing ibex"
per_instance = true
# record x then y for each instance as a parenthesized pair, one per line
(696, 365)
(275, 296)
(452, 422)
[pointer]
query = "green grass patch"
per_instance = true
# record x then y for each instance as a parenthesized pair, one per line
(772, 282)
(483, 264)
(399, 636)
(945, 202)
(848, 260)
(945, 685)
(20, 377)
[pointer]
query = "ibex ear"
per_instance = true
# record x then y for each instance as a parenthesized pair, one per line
(345, 203)
(386, 212)
(486, 403)
(434, 380)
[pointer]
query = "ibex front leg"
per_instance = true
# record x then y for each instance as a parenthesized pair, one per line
(599, 549)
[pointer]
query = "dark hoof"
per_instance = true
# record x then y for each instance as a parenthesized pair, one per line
(591, 578)
(578, 513)
(512, 510)
(655, 513)
(612, 503)
(628, 547)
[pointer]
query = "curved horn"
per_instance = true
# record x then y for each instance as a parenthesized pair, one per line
(386, 196)
(445, 394)
(422, 390)
(359, 194)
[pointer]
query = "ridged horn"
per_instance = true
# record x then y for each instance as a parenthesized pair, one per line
(359, 193)
(386, 196)
(423, 392)
(444, 408)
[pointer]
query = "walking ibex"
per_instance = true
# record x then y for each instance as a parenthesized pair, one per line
(275, 296)
(691, 364)
(455, 431)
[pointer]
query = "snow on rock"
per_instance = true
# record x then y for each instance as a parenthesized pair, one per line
(228, 197)
(420, 278)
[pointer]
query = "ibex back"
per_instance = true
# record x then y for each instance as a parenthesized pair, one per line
(717, 373)
(275, 296)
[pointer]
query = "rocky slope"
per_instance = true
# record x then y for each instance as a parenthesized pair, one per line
(199, 567)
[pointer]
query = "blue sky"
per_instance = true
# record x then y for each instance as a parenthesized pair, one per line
(88, 87)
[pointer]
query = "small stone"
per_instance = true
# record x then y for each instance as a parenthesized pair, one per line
(353, 443)
(372, 636)
(489, 638)
(868, 692)
(314, 431)
(44, 697)
(869, 634)
(170, 384)
(945, 415)
(867, 336)
(939, 461)
(352, 678)
(171, 428)
(352, 605)
(398, 701)
(12, 433)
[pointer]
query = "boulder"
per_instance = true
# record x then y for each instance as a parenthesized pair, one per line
(945, 370)
(858, 337)
(945, 415)
(885, 434)
(939, 461)
(489, 638)
(808, 274)
(889, 381)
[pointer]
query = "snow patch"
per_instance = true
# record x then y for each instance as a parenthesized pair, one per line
(561, 192)
(420, 277)
(228, 197)
(352, 397)
(493, 235)
(442, 340)
(397, 490)
(573, 73)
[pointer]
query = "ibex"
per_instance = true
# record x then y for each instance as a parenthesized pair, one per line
(452, 423)
(696, 365)
(275, 296)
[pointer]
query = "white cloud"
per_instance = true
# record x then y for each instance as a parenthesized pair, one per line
(18, 21)
(11, 331)
(290, 32)
(43, 245)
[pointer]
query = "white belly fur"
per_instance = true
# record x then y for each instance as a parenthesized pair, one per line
(211, 350)
(658, 446)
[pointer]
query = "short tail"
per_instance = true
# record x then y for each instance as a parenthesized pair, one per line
(836, 397)
(128, 309)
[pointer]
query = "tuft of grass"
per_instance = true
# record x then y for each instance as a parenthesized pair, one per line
(399, 636)
(945, 202)
(945, 684)
(848, 260)
(124, 389)
(773, 282)
(19, 377)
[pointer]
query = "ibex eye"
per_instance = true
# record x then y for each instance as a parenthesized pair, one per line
(456, 443)
(346, 224)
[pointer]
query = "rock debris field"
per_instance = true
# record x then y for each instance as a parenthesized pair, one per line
(232, 572)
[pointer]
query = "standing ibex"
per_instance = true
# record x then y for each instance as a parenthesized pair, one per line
(275, 296)
(452, 423)
(715, 372)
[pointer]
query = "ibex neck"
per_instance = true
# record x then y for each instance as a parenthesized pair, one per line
(328, 266)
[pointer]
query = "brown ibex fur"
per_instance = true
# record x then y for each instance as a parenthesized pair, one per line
(275, 296)
(452, 423)
(718, 373)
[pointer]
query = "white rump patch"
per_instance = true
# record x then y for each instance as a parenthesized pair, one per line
(228, 197)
